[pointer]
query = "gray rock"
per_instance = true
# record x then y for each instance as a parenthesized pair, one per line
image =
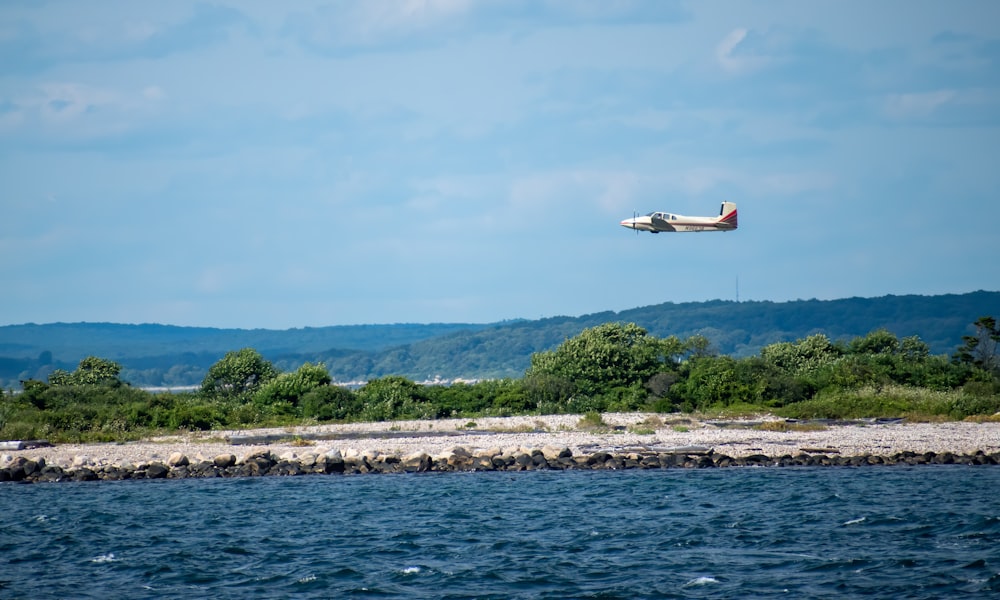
(416, 463)
(224, 461)
(555, 452)
(157, 470)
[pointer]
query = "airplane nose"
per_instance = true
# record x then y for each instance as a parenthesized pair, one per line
(630, 223)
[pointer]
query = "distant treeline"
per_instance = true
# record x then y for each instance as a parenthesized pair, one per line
(161, 355)
(610, 367)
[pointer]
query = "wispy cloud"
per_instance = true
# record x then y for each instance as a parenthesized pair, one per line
(341, 26)
(916, 105)
(352, 149)
(40, 42)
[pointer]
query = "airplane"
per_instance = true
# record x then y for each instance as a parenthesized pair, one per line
(655, 222)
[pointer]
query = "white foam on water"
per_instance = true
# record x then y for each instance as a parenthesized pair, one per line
(307, 579)
(104, 558)
(701, 581)
(410, 570)
(857, 521)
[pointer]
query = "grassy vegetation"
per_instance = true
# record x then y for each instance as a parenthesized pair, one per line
(916, 404)
(609, 369)
(592, 421)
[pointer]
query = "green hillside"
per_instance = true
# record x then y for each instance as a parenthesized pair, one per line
(154, 355)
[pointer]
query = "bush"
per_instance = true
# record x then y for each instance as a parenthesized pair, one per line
(285, 391)
(392, 398)
(330, 403)
(891, 401)
(195, 416)
(592, 420)
(976, 398)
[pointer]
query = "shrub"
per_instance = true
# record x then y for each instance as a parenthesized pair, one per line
(330, 403)
(592, 420)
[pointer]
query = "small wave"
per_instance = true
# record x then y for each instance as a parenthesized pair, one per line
(857, 521)
(42, 518)
(104, 558)
(410, 570)
(307, 579)
(701, 581)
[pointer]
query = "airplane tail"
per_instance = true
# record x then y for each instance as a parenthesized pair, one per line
(727, 216)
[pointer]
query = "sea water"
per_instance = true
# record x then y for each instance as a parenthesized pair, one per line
(881, 532)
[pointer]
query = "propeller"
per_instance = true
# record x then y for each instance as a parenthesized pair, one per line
(635, 215)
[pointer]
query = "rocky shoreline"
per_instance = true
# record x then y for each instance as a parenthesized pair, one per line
(551, 442)
(262, 463)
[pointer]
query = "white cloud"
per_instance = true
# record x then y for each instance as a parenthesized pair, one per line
(607, 190)
(152, 92)
(65, 101)
(69, 109)
(726, 52)
(375, 21)
(789, 184)
(699, 180)
(916, 105)
(139, 32)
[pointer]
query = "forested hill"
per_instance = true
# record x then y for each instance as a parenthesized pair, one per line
(167, 355)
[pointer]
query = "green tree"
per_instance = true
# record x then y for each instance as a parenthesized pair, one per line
(720, 381)
(330, 402)
(879, 341)
(394, 397)
(981, 349)
(289, 388)
(544, 391)
(91, 371)
(601, 358)
(238, 373)
(803, 356)
(60, 377)
(97, 371)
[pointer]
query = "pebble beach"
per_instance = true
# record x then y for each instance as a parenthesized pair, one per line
(619, 433)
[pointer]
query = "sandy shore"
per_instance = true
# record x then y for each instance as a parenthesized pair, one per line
(624, 431)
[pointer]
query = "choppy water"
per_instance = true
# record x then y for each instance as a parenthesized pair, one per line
(899, 532)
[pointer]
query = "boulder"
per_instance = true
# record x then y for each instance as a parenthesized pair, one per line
(333, 462)
(460, 452)
(522, 459)
(84, 474)
(157, 470)
(489, 452)
(33, 466)
(178, 459)
(224, 461)
(598, 458)
(51, 473)
(418, 462)
(556, 452)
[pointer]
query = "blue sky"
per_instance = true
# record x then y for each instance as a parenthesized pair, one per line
(277, 165)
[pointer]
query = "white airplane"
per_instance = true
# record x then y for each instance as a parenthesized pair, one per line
(655, 222)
